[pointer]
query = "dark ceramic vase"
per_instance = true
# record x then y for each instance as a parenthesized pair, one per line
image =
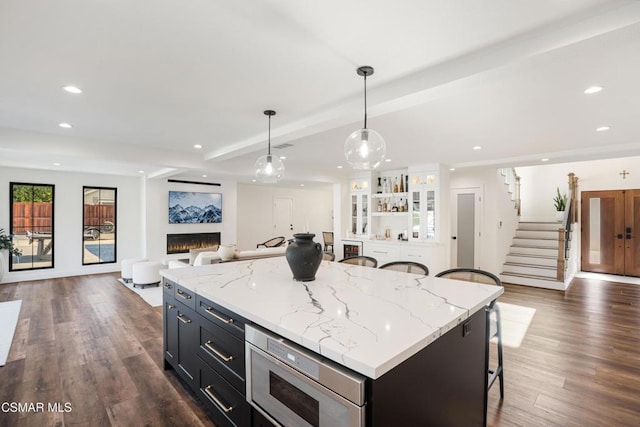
(304, 257)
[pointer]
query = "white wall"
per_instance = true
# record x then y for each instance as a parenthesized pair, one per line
(312, 211)
(498, 220)
(538, 183)
(68, 209)
(157, 215)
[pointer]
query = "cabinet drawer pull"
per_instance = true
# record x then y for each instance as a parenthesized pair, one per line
(217, 316)
(168, 285)
(183, 319)
(217, 353)
(380, 252)
(183, 295)
(171, 306)
(226, 409)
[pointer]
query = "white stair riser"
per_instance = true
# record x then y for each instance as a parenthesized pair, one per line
(534, 251)
(523, 259)
(536, 234)
(535, 242)
(544, 272)
(538, 283)
(548, 226)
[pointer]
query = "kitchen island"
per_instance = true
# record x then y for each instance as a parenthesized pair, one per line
(419, 341)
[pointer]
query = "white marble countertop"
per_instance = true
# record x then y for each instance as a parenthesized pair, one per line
(366, 319)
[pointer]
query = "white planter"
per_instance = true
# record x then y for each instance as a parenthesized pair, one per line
(226, 252)
(559, 216)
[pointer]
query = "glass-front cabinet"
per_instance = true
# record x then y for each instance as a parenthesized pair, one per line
(360, 198)
(423, 200)
(359, 213)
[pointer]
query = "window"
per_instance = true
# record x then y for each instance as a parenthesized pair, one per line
(99, 225)
(32, 225)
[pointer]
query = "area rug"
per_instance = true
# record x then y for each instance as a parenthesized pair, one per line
(9, 313)
(515, 323)
(152, 295)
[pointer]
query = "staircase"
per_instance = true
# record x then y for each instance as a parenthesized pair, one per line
(533, 257)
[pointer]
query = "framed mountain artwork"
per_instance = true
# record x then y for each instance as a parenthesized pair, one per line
(188, 207)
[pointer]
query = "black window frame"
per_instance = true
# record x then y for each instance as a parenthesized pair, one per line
(11, 224)
(115, 224)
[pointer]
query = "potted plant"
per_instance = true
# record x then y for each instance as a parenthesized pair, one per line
(6, 243)
(560, 203)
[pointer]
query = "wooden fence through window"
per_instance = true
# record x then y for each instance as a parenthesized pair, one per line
(37, 216)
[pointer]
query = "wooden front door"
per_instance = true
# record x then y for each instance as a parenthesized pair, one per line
(610, 226)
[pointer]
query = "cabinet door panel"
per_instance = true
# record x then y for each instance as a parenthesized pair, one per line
(170, 331)
(227, 406)
(187, 344)
(223, 352)
(218, 315)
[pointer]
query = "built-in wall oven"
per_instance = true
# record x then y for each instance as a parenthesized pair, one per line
(292, 386)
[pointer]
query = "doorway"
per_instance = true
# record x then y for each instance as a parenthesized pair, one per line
(610, 223)
(465, 227)
(282, 216)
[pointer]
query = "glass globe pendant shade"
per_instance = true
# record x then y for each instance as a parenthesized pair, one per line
(365, 149)
(269, 169)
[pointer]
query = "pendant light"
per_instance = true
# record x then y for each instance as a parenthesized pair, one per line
(365, 148)
(269, 169)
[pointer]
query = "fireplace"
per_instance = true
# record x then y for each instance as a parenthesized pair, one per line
(181, 243)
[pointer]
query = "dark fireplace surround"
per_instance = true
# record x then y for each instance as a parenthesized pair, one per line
(181, 243)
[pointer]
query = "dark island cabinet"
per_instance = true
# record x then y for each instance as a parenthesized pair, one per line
(170, 342)
(204, 344)
(180, 334)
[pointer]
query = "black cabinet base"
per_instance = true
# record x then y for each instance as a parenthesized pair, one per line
(445, 384)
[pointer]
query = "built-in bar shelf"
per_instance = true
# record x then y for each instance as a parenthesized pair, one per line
(389, 213)
(383, 195)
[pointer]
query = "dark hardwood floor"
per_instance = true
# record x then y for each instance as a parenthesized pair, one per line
(92, 343)
(579, 364)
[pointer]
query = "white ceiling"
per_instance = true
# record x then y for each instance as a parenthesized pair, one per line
(162, 75)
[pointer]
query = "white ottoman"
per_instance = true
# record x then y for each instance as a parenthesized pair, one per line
(127, 268)
(146, 273)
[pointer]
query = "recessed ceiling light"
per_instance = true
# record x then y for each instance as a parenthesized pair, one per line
(283, 157)
(603, 128)
(477, 147)
(452, 169)
(204, 176)
(140, 171)
(65, 125)
(339, 167)
(198, 146)
(544, 160)
(253, 180)
(301, 185)
(56, 164)
(387, 160)
(73, 89)
(593, 89)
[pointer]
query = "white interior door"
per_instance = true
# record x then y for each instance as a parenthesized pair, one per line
(282, 217)
(465, 227)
